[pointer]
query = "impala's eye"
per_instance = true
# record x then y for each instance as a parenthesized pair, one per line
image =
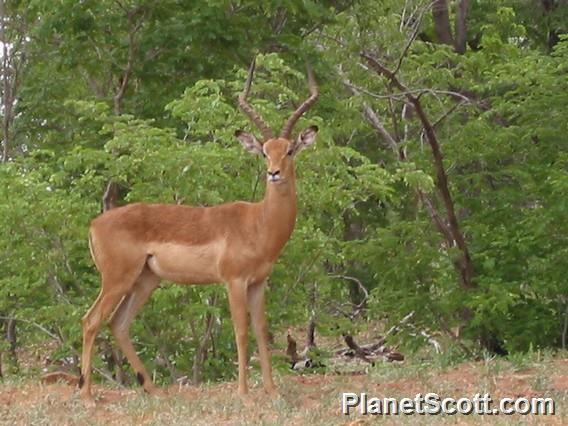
(290, 152)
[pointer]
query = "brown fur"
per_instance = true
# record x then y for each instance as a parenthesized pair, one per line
(136, 246)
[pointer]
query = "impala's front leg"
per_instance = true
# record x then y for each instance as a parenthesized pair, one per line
(238, 304)
(256, 304)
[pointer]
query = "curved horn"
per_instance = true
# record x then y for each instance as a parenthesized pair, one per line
(289, 126)
(249, 110)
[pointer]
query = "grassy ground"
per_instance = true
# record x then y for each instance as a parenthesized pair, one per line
(305, 399)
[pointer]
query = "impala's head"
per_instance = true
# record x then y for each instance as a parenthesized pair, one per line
(279, 152)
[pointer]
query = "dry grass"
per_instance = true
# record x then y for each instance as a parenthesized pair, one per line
(305, 400)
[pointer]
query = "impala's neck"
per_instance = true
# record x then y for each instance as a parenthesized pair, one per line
(278, 214)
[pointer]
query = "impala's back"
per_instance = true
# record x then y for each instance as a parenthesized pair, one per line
(178, 243)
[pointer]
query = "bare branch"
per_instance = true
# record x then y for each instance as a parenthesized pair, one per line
(447, 113)
(372, 117)
(357, 351)
(413, 35)
(400, 96)
(133, 44)
(395, 328)
(359, 284)
(34, 324)
(436, 218)
(207, 337)
(464, 264)
(377, 124)
(292, 348)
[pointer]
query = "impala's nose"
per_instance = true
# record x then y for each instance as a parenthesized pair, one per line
(274, 176)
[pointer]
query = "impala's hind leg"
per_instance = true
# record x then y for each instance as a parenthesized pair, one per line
(116, 283)
(120, 322)
(101, 309)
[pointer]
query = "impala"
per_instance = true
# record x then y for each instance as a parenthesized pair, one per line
(136, 246)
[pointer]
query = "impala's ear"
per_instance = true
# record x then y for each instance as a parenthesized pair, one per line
(305, 139)
(249, 142)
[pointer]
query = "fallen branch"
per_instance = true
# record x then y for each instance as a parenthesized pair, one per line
(395, 328)
(370, 352)
(357, 351)
(292, 349)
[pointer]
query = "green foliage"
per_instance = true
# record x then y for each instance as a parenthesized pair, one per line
(498, 112)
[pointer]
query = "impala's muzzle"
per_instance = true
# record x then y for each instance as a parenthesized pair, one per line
(273, 176)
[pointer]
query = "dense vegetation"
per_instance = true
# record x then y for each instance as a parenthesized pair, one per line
(437, 187)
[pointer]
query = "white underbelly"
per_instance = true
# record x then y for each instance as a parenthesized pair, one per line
(186, 264)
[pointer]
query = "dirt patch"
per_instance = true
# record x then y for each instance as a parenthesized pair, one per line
(305, 399)
(560, 383)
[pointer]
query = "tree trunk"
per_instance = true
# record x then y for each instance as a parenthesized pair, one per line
(6, 86)
(13, 37)
(461, 26)
(442, 21)
(12, 338)
(111, 196)
(549, 6)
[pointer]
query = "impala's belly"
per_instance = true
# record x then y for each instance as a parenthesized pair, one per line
(186, 264)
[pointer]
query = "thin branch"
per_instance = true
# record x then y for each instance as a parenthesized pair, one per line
(376, 123)
(36, 325)
(447, 114)
(395, 328)
(359, 284)
(400, 96)
(436, 218)
(411, 39)
(210, 319)
(464, 265)
(371, 116)
(132, 50)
